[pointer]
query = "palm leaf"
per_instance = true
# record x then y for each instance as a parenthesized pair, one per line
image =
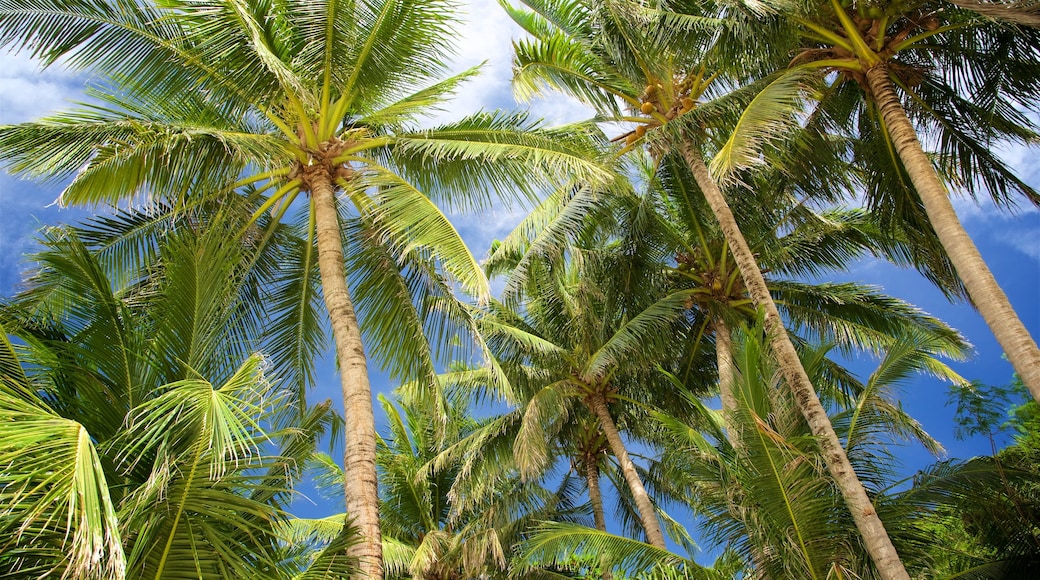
(769, 115)
(555, 543)
(55, 488)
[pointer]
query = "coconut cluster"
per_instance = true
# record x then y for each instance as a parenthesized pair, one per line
(660, 107)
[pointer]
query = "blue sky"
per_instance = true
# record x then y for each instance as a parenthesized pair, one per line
(1009, 242)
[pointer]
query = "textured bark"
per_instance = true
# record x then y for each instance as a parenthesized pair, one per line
(647, 516)
(592, 477)
(875, 537)
(724, 360)
(1024, 12)
(359, 456)
(985, 293)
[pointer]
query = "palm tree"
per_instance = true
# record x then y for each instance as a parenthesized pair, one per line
(529, 440)
(318, 98)
(439, 533)
(591, 331)
(770, 499)
(956, 76)
(611, 56)
(134, 443)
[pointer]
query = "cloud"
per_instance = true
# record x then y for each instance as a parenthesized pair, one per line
(1022, 160)
(1023, 239)
(479, 230)
(486, 35)
(28, 92)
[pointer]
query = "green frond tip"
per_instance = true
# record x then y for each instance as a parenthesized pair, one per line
(557, 544)
(770, 116)
(54, 483)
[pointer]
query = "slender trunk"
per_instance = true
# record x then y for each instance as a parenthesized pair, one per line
(724, 360)
(592, 476)
(985, 293)
(647, 516)
(359, 456)
(875, 538)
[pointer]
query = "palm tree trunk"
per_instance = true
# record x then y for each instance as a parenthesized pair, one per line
(985, 293)
(724, 362)
(1023, 12)
(592, 477)
(598, 404)
(875, 537)
(359, 455)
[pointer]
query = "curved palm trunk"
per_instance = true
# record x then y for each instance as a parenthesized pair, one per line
(598, 404)
(985, 293)
(875, 537)
(596, 497)
(359, 456)
(724, 362)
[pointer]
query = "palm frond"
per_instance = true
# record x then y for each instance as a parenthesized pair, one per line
(499, 152)
(769, 115)
(555, 543)
(55, 487)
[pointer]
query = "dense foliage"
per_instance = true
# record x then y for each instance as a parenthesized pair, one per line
(665, 370)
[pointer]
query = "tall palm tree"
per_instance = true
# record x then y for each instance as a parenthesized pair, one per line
(611, 56)
(530, 440)
(299, 97)
(956, 77)
(708, 289)
(140, 434)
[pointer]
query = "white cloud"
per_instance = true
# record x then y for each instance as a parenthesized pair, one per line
(1023, 162)
(486, 34)
(984, 211)
(27, 92)
(478, 230)
(1023, 239)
